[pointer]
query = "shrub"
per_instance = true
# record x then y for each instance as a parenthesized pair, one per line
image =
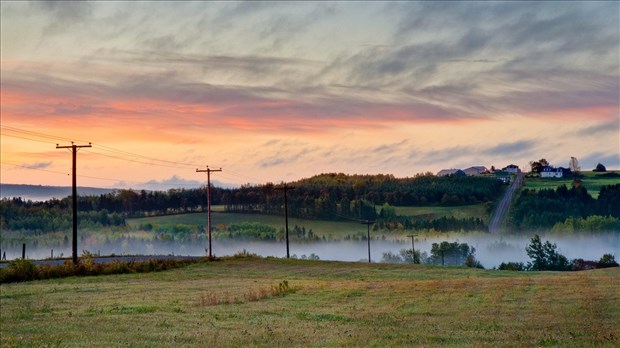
(25, 270)
(512, 266)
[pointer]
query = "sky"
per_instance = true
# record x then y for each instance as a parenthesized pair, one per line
(279, 91)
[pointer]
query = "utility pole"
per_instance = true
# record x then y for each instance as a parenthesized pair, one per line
(74, 149)
(368, 223)
(412, 246)
(285, 188)
(208, 171)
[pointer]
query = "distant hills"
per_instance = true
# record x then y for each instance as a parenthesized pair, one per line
(43, 193)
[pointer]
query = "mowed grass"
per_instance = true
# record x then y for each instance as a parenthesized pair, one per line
(591, 182)
(329, 304)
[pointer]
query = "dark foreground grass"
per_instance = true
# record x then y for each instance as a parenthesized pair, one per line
(273, 302)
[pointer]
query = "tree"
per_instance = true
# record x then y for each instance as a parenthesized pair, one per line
(545, 257)
(537, 166)
(608, 260)
(573, 164)
(454, 253)
(600, 168)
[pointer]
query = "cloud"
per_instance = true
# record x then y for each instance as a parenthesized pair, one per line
(612, 128)
(283, 152)
(513, 148)
(65, 12)
(38, 165)
(173, 182)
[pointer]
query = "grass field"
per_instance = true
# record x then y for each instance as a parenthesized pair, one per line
(319, 227)
(459, 212)
(591, 182)
(236, 302)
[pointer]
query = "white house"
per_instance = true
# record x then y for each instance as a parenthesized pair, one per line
(512, 169)
(551, 172)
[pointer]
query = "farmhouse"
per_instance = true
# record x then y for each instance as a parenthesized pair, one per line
(455, 172)
(511, 168)
(476, 170)
(551, 172)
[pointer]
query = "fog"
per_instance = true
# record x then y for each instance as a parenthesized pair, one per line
(490, 250)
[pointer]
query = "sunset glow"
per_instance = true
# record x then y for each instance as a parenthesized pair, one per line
(278, 91)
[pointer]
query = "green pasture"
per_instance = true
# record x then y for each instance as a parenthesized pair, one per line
(240, 302)
(319, 227)
(435, 212)
(591, 182)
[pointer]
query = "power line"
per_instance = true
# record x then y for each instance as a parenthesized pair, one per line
(37, 134)
(15, 136)
(41, 169)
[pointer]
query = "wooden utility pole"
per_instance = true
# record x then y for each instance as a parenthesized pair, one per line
(74, 149)
(285, 188)
(412, 246)
(368, 223)
(208, 171)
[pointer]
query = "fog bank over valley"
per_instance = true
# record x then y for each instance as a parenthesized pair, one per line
(490, 250)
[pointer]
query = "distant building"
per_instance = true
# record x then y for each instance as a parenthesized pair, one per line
(503, 176)
(455, 172)
(512, 169)
(476, 170)
(551, 172)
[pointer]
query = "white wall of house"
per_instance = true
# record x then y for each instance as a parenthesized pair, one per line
(552, 174)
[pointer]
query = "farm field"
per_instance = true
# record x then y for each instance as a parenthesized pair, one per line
(459, 212)
(590, 180)
(277, 302)
(319, 227)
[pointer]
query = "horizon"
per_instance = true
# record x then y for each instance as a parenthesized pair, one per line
(277, 92)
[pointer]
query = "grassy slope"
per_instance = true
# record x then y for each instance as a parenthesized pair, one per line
(591, 182)
(335, 304)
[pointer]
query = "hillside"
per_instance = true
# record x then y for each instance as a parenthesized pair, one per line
(272, 302)
(43, 193)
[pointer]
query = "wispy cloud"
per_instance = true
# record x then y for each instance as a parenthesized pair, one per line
(612, 127)
(38, 165)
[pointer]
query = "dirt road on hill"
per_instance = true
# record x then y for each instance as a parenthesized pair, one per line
(499, 215)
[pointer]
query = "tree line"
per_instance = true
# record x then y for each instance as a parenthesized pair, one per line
(325, 197)
(565, 208)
